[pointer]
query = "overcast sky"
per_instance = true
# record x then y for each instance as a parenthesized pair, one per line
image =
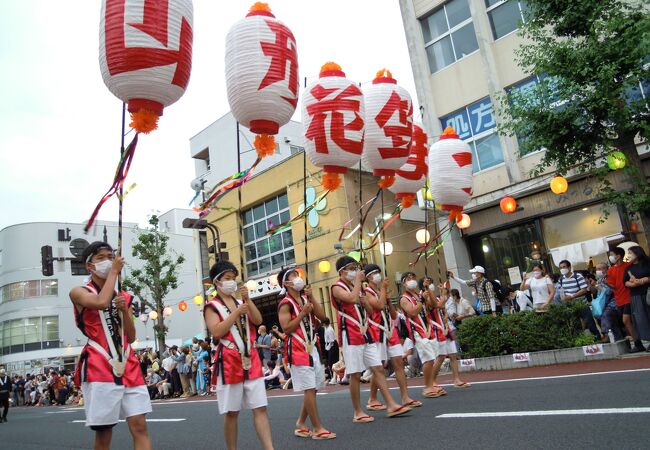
(60, 126)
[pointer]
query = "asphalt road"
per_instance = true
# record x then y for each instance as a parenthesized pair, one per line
(590, 411)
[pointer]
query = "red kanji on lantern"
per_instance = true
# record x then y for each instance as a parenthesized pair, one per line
(332, 114)
(146, 63)
(412, 176)
(389, 126)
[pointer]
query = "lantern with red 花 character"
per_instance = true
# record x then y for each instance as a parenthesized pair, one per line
(145, 55)
(389, 125)
(411, 176)
(508, 204)
(450, 173)
(262, 75)
(332, 114)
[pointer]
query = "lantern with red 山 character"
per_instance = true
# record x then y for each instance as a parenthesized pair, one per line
(262, 75)
(332, 114)
(389, 125)
(450, 173)
(411, 176)
(145, 55)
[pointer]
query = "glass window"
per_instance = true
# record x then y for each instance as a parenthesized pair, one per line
(505, 17)
(283, 201)
(49, 287)
(291, 257)
(51, 328)
(249, 234)
(488, 151)
(248, 217)
(32, 330)
(448, 34)
(29, 289)
(271, 206)
(32, 288)
(260, 229)
(275, 243)
(17, 332)
(273, 221)
(287, 238)
(263, 247)
(277, 260)
(579, 225)
(258, 212)
(285, 216)
(251, 269)
(265, 265)
(251, 253)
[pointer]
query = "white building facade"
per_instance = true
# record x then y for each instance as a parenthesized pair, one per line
(37, 325)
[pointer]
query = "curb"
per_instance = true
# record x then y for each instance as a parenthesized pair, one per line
(545, 358)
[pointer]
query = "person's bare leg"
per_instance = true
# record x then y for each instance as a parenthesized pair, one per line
(312, 410)
(427, 368)
(355, 394)
(302, 418)
(138, 428)
(263, 427)
(378, 374)
(400, 376)
(629, 327)
(436, 369)
(103, 439)
(453, 362)
(230, 429)
(373, 392)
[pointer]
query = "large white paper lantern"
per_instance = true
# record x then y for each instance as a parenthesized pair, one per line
(332, 114)
(389, 125)
(262, 75)
(450, 173)
(412, 176)
(145, 55)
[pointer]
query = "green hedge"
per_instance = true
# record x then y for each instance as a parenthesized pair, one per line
(559, 327)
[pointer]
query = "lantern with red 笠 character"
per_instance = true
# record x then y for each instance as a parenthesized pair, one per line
(389, 125)
(262, 75)
(145, 55)
(450, 173)
(411, 176)
(332, 114)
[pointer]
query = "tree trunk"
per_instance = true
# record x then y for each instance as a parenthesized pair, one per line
(160, 334)
(625, 144)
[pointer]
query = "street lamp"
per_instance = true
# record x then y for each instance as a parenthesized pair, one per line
(202, 224)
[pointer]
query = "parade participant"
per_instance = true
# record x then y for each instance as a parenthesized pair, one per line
(443, 336)
(383, 329)
(297, 313)
(415, 308)
(5, 389)
(359, 351)
(238, 369)
(108, 371)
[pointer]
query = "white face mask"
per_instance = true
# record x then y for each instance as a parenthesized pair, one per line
(599, 274)
(298, 284)
(351, 275)
(432, 288)
(103, 268)
(474, 276)
(412, 285)
(376, 278)
(537, 274)
(564, 271)
(613, 259)
(228, 287)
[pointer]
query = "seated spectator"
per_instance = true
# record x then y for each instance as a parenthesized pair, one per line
(458, 308)
(273, 377)
(520, 300)
(152, 379)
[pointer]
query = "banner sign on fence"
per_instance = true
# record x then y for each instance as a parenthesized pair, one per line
(592, 350)
(468, 363)
(521, 357)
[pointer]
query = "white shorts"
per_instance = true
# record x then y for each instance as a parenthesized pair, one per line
(250, 394)
(426, 348)
(388, 352)
(447, 347)
(105, 403)
(360, 357)
(306, 377)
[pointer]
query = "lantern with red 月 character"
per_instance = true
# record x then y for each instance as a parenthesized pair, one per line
(182, 305)
(411, 176)
(262, 75)
(508, 204)
(332, 114)
(450, 173)
(389, 126)
(145, 55)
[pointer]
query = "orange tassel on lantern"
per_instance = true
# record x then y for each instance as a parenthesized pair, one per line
(331, 181)
(407, 200)
(144, 121)
(265, 145)
(386, 181)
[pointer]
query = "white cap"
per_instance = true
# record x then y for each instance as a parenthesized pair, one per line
(478, 269)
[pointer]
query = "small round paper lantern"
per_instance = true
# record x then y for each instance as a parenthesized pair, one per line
(559, 185)
(153, 315)
(182, 305)
(411, 176)
(145, 55)
(464, 222)
(616, 160)
(198, 300)
(422, 236)
(251, 285)
(144, 318)
(508, 204)
(634, 227)
(167, 311)
(386, 248)
(262, 75)
(324, 266)
(333, 117)
(450, 173)
(389, 126)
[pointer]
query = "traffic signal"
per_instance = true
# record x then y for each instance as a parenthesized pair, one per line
(47, 266)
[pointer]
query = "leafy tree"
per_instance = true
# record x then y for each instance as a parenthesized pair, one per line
(590, 56)
(158, 275)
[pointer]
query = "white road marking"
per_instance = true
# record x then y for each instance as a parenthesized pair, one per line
(552, 412)
(148, 420)
(183, 402)
(61, 412)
